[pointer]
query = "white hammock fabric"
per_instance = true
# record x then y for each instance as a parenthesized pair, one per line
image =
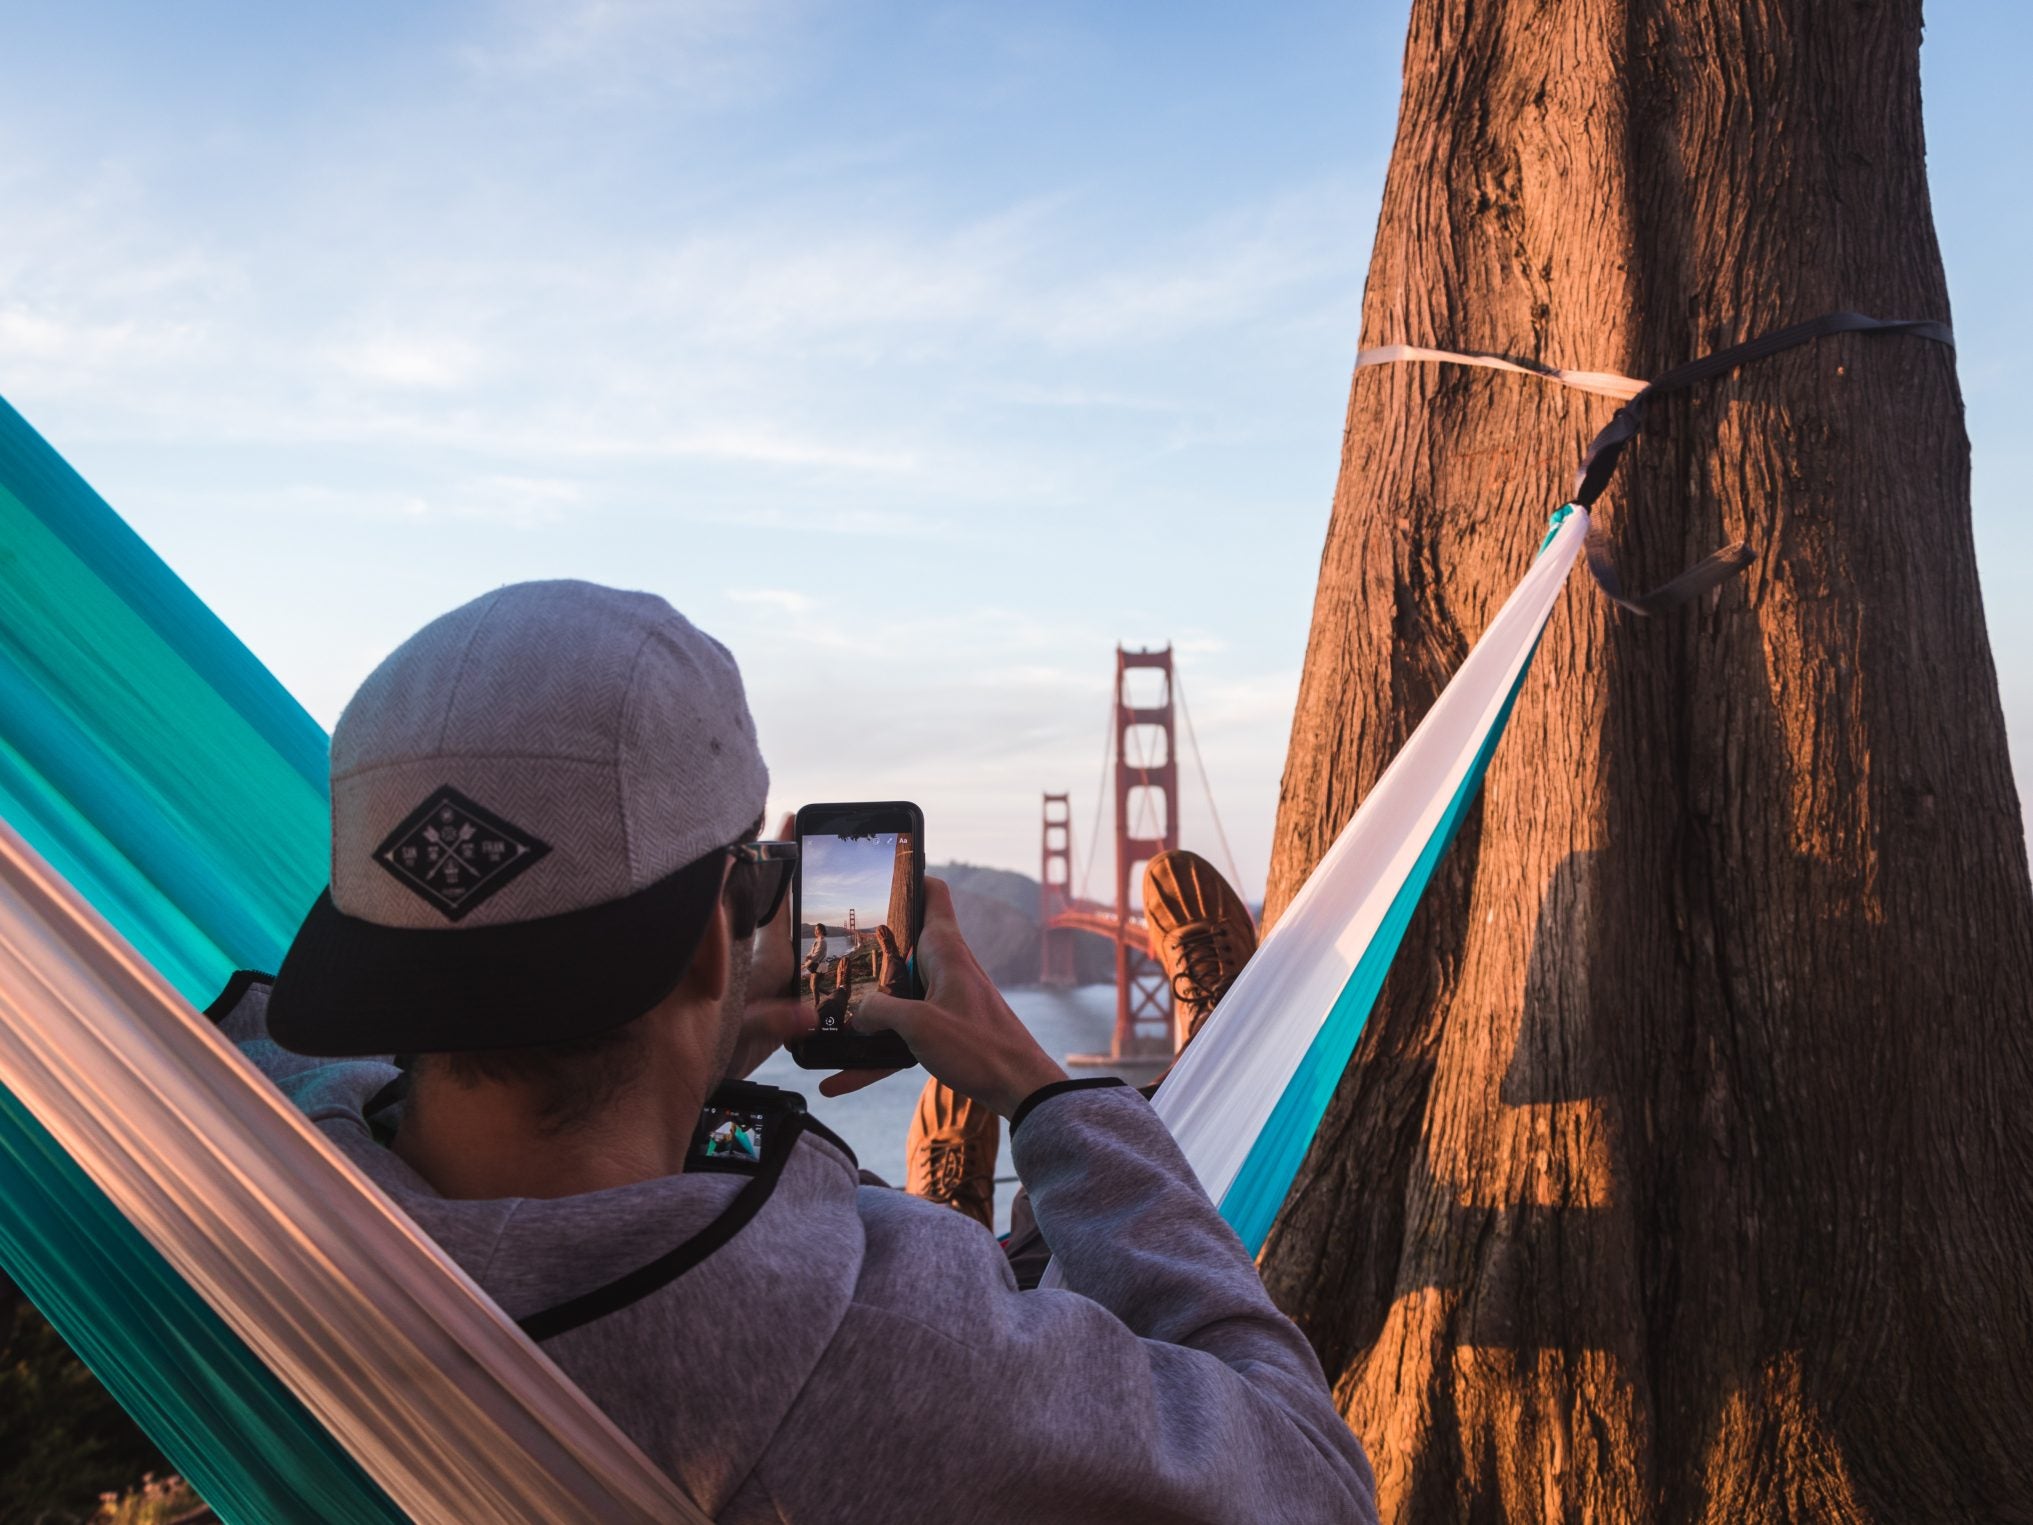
(1248, 1093)
(444, 1403)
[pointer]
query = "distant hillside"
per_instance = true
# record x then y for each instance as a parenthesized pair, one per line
(1019, 891)
(998, 910)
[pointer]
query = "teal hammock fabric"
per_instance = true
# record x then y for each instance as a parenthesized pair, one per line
(1252, 1201)
(149, 758)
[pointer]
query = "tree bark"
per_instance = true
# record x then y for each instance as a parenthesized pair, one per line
(1685, 1172)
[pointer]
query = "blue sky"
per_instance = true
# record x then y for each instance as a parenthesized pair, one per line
(919, 352)
(843, 874)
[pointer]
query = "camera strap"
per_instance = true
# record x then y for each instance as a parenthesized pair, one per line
(786, 1123)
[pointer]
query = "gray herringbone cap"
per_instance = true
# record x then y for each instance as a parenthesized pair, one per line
(548, 747)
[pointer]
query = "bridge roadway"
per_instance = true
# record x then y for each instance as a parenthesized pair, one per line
(1092, 916)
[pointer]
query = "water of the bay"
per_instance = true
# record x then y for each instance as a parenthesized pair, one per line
(873, 1121)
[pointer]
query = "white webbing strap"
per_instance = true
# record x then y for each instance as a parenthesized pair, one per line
(1602, 383)
(406, 1363)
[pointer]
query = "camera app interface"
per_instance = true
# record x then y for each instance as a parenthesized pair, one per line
(855, 916)
(731, 1135)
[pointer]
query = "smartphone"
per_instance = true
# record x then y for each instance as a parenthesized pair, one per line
(857, 906)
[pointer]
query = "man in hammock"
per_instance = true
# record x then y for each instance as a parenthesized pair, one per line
(790, 1343)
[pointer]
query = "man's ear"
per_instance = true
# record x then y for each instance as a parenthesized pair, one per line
(706, 977)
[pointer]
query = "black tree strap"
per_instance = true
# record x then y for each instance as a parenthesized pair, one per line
(1690, 584)
(1606, 447)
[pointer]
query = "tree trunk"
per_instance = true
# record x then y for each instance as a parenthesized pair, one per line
(1685, 1172)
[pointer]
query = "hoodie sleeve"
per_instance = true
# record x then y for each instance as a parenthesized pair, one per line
(1233, 1396)
(1161, 1384)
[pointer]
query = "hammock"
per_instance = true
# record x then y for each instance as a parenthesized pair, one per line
(1247, 1095)
(291, 1342)
(286, 1336)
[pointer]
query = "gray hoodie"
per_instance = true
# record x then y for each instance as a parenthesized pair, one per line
(851, 1353)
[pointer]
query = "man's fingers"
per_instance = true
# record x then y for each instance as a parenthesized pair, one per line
(876, 1012)
(851, 1080)
(942, 950)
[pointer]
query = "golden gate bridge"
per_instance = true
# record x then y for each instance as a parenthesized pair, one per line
(1142, 758)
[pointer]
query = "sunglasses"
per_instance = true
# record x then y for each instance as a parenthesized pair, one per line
(757, 883)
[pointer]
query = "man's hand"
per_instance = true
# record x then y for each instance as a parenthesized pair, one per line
(776, 954)
(766, 1026)
(962, 1031)
(769, 1020)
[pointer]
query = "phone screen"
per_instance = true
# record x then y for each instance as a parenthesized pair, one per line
(856, 920)
(860, 879)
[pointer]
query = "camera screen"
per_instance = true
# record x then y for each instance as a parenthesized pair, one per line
(731, 1135)
(855, 918)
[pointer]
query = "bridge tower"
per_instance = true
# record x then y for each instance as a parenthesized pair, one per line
(1055, 892)
(1146, 824)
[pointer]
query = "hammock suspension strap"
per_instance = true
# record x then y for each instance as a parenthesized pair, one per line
(1599, 463)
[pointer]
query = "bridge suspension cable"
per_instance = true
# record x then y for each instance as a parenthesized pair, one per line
(1207, 788)
(1086, 889)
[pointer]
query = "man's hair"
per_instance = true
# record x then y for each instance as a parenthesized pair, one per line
(571, 1082)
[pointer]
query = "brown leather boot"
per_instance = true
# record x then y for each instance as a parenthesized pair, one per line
(1201, 932)
(950, 1152)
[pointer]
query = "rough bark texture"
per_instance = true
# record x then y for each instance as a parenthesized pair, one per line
(1686, 1170)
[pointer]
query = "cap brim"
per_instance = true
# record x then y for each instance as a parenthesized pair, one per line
(349, 987)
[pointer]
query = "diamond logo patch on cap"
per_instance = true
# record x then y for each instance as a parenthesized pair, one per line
(456, 855)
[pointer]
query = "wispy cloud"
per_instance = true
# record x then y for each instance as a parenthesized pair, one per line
(695, 54)
(757, 343)
(402, 362)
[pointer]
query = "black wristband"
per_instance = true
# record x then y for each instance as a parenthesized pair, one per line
(1047, 1092)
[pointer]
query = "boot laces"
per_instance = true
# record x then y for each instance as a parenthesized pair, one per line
(946, 1164)
(1204, 969)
